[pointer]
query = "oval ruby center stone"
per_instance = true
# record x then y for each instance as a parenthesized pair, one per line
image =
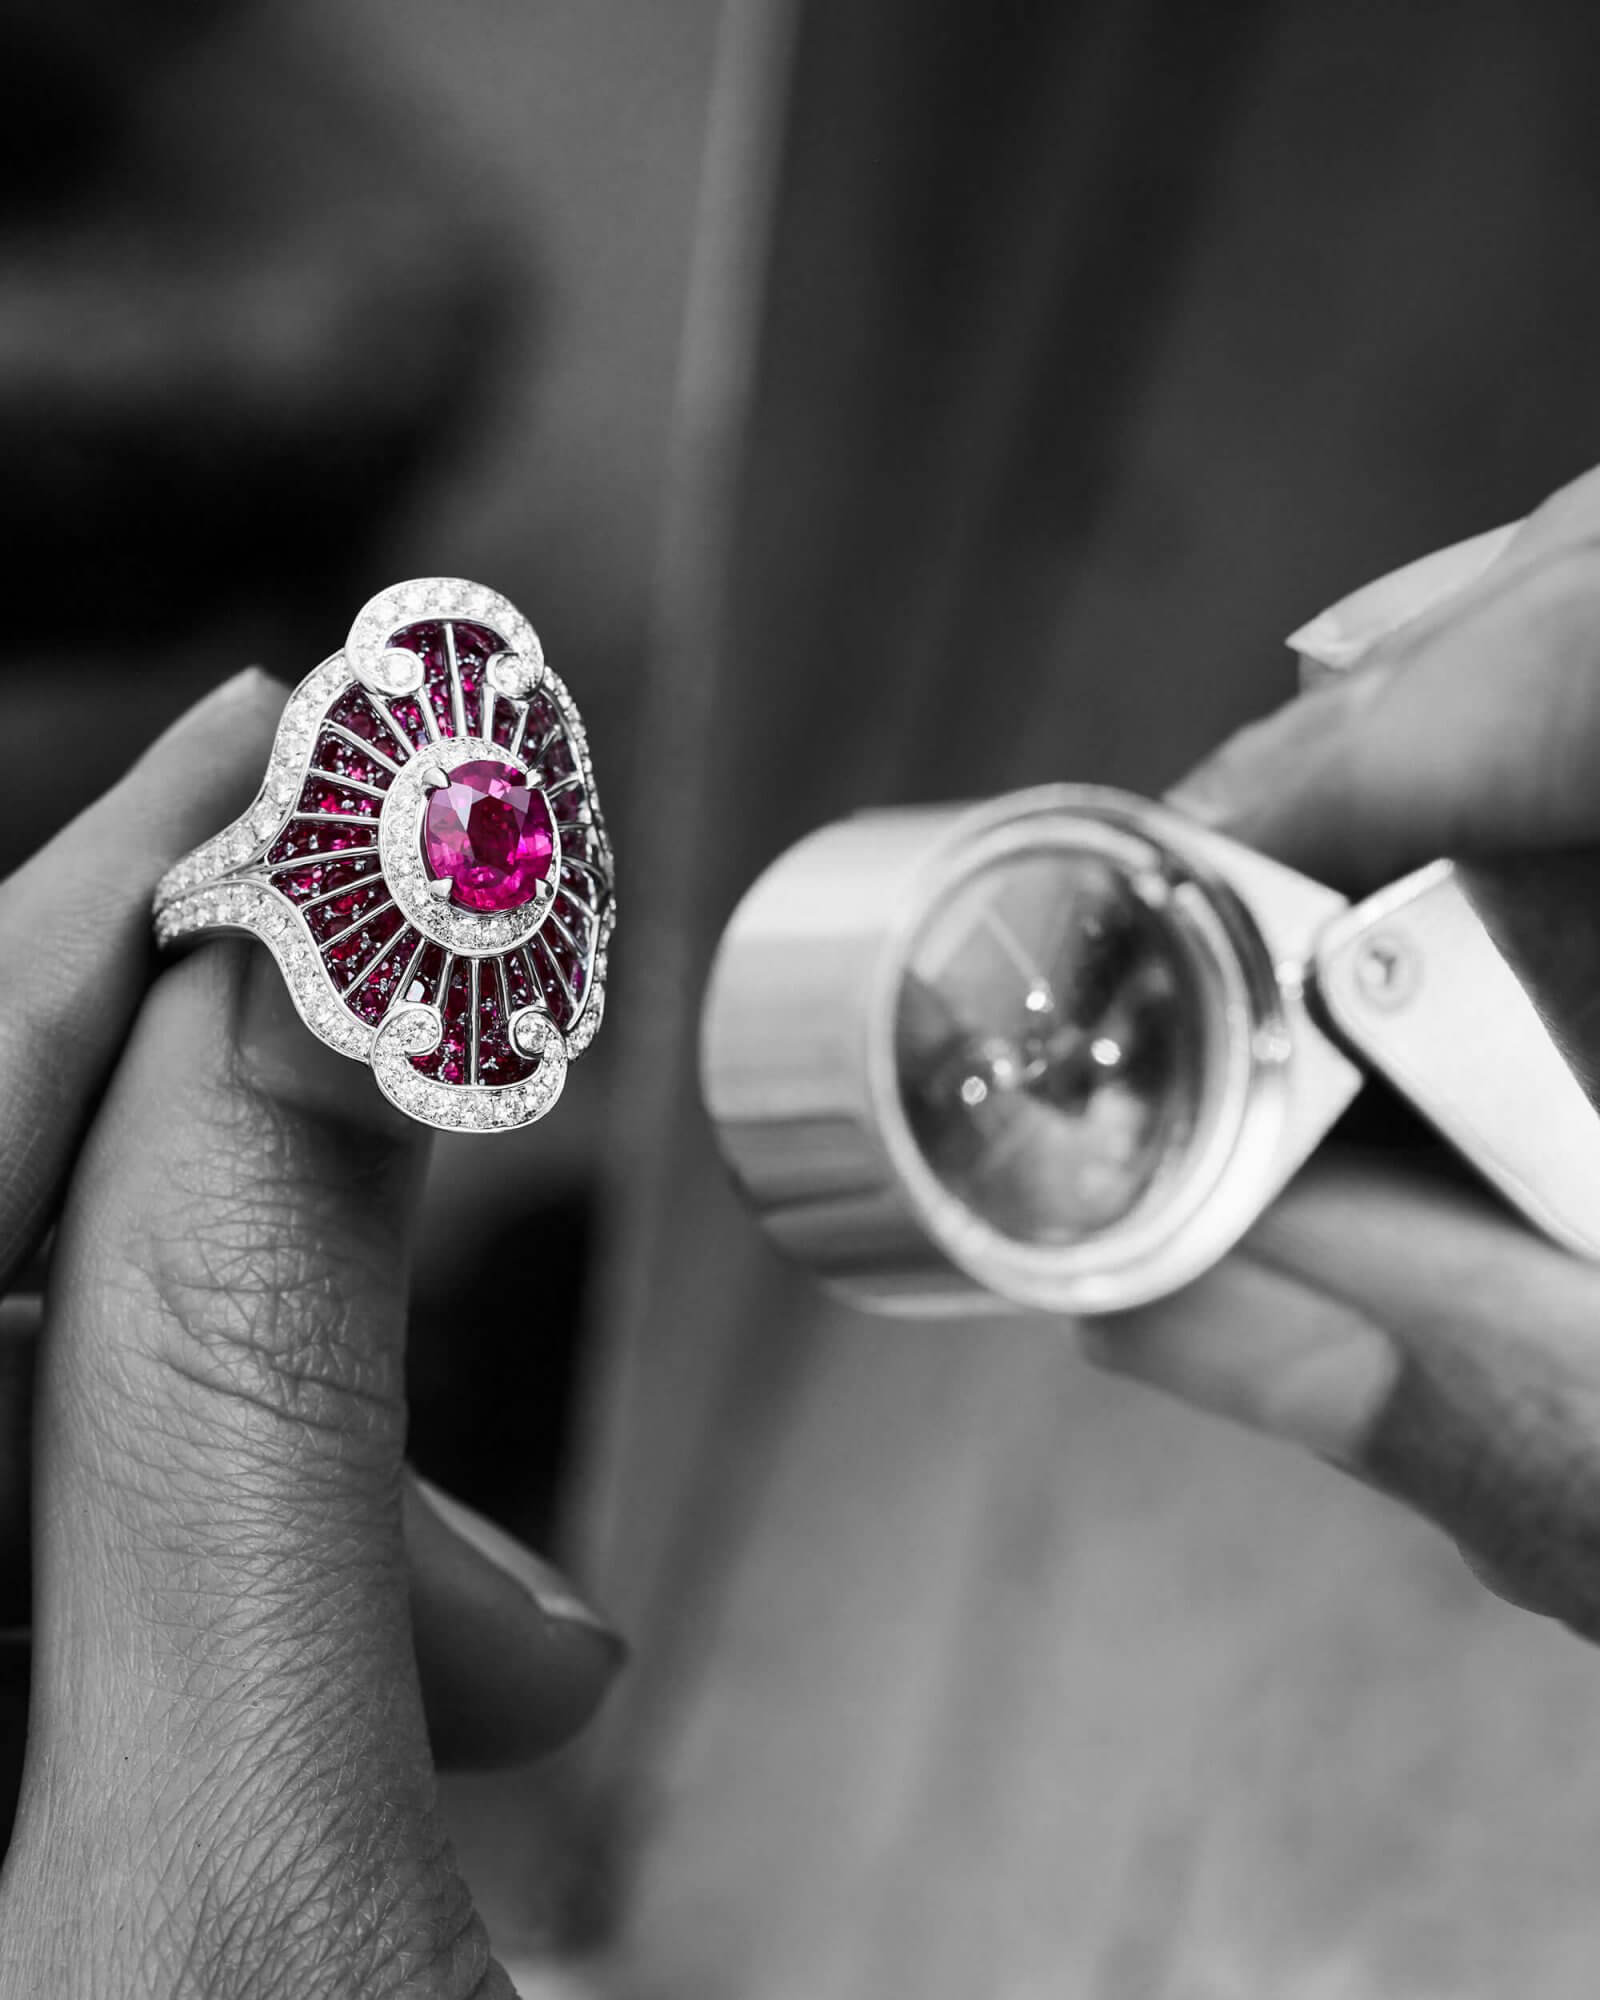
(488, 833)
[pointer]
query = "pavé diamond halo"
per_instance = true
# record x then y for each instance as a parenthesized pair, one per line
(426, 860)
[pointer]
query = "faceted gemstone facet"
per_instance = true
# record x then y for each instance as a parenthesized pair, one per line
(408, 713)
(428, 976)
(498, 1061)
(451, 1061)
(321, 795)
(353, 711)
(575, 920)
(334, 914)
(427, 640)
(357, 949)
(505, 722)
(520, 989)
(556, 763)
(560, 997)
(542, 719)
(475, 646)
(488, 833)
(372, 997)
(338, 756)
(301, 884)
(302, 837)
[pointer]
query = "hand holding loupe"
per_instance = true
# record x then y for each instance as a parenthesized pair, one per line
(1062, 1049)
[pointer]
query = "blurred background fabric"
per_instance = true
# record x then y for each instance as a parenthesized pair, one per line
(869, 400)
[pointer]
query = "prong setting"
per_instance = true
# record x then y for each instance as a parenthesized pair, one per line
(531, 1030)
(398, 671)
(511, 675)
(469, 933)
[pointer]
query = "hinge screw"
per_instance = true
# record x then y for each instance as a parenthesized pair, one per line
(1386, 970)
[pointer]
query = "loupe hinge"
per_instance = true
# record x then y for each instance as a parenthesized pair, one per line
(1455, 986)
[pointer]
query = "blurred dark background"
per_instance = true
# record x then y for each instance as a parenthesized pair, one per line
(867, 399)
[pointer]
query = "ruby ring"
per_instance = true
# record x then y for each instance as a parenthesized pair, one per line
(426, 860)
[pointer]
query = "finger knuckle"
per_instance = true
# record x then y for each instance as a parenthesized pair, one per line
(294, 1896)
(1528, 1497)
(249, 1302)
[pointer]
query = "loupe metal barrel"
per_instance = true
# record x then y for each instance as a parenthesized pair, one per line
(1026, 1053)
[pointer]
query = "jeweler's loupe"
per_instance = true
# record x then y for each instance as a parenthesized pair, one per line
(1062, 1049)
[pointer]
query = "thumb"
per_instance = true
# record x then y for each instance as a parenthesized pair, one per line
(228, 1784)
(1468, 727)
(1442, 583)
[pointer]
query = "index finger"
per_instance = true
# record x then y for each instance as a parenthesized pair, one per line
(1410, 1331)
(1468, 730)
(75, 950)
(1444, 582)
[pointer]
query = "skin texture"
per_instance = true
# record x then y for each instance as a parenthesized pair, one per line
(229, 1787)
(1406, 1326)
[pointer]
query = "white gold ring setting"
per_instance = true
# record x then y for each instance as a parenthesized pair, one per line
(426, 860)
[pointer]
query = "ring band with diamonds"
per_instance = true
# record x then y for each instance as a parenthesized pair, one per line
(426, 860)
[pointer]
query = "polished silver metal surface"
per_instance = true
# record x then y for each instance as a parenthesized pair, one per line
(1051, 1051)
(1059, 1051)
(1475, 989)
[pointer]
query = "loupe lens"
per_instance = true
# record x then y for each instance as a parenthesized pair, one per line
(1050, 1041)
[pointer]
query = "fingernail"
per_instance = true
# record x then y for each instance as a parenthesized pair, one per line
(1342, 636)
(1340, 671)
(247, 683)
(540, 1580)
(247, 688)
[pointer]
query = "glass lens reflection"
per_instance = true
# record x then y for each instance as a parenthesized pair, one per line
(1049, 1046)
